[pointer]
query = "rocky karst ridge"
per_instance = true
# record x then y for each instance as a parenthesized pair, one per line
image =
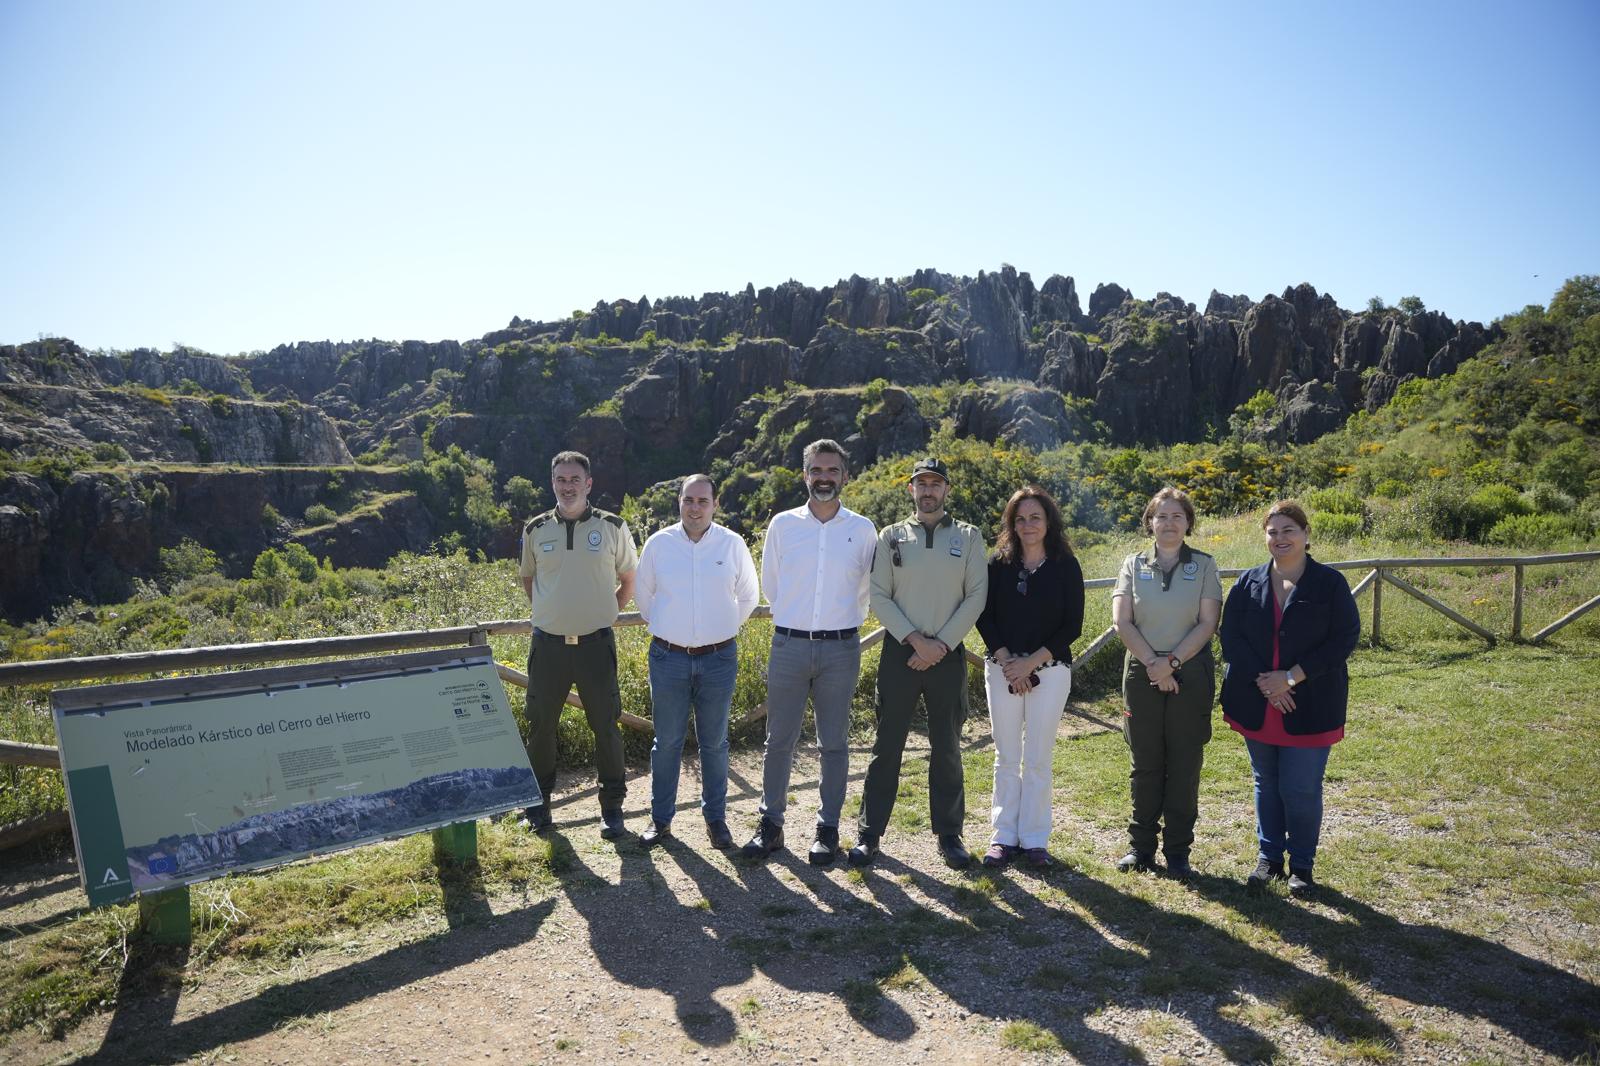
(654, 388)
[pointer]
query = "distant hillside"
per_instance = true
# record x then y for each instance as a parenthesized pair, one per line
(733, 383)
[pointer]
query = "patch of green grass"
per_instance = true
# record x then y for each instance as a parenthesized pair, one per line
(749, 1007)
(1026, 1036)
(862, 998)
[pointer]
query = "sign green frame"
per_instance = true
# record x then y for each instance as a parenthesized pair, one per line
(181, 780)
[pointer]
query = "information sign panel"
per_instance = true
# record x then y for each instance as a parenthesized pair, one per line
(181, 780)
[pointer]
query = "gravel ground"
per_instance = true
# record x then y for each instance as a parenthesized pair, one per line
(683, 955)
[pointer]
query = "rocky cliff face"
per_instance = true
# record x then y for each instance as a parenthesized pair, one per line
(89, 534)
(653, 389)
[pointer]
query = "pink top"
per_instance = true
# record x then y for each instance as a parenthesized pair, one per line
(1272, 731)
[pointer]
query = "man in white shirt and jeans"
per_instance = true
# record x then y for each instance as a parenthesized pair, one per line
(814, 567)
(695, 586)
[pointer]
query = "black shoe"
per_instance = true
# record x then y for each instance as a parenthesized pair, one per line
(1301, 883)
(953, 852)
(864, 852)
(768, 839)
(611, 826)
(656, 834)
(721, 839)
(1264, 872)
(536, 819)
(1178, 868)
(826, 847)
(1137, 862)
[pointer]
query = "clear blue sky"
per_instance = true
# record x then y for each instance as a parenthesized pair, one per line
(235, 176)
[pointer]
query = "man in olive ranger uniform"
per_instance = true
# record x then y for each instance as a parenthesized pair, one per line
(577, 568)
(929, 581)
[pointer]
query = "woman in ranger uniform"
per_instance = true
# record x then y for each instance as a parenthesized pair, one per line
(1165, 606)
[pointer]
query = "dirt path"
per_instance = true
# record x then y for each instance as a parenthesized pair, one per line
(683, 955)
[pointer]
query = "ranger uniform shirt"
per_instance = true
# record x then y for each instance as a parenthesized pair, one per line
(932, 581)
(1166, 603)
(575, 565)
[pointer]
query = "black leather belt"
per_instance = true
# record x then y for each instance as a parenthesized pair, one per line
(703, 649)
(817, 634)
(599, 634)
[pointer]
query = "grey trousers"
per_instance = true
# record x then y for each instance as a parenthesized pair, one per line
(826, 671)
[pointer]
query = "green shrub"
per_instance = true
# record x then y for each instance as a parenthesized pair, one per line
(320, 514)
(107, 452)
(1488, 505)
(1531, 530)
(1336, 525)
(918, 297)
(1545, 497)
(1390, 489)
(1341, 501)
(1568, 467)
(187, 561)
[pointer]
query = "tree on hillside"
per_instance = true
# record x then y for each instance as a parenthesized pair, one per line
(1576, 301)
(1411, 305)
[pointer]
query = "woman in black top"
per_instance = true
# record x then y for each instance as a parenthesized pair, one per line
(1033, 614)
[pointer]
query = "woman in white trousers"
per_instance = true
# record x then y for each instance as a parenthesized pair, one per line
(1033, 614)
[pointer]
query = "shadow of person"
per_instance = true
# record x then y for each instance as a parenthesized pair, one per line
(1186, 952)
(1018, 947)
(805, 935)
(137, 1035)
(666, 946)
(1548, 1008)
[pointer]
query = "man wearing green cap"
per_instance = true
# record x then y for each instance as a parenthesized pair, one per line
(930, 577)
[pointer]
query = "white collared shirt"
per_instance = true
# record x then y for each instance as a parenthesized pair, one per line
(815, 573)
(696, 593)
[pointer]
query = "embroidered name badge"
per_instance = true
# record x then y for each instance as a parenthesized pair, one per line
(594, 540)
(955, 547)
(1190, 570)
(1146, 575)
(548, 546)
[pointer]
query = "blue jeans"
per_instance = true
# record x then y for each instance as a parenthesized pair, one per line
(1288, 800)
(680, 683)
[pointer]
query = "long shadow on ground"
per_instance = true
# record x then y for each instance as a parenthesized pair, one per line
(1546, 1007)
(138, 1039)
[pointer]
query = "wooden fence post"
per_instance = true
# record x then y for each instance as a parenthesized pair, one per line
(1516, 603)
(1377, 609)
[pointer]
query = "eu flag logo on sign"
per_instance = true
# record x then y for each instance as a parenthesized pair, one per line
(163, 864)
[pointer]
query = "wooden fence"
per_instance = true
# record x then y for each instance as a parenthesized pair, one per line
(50, 671)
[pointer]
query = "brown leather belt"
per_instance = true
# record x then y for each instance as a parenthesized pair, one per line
(704, 649)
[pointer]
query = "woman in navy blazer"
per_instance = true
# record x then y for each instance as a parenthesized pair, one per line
(1288, 627)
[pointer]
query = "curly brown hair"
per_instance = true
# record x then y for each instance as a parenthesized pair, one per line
(1006, 546)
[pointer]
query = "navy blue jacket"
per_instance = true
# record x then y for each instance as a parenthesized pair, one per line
(1320, 629)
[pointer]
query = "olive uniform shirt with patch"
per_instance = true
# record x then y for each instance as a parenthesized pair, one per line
(1166, 604)
(575, 565)
(932, 581)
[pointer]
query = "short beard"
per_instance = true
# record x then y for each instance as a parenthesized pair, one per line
(827, 495)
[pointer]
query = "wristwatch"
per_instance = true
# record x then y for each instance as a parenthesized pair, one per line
(1175, 662)
(1289, 676)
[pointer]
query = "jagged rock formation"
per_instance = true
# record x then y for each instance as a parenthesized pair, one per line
(89, 534)
(654, 389)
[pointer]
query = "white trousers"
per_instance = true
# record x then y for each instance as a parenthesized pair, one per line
(1024, 730)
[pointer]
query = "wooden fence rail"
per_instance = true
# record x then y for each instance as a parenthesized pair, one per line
(49, 671)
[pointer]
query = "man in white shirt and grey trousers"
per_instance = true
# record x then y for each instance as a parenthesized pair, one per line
(695, 586)
(815, 567)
